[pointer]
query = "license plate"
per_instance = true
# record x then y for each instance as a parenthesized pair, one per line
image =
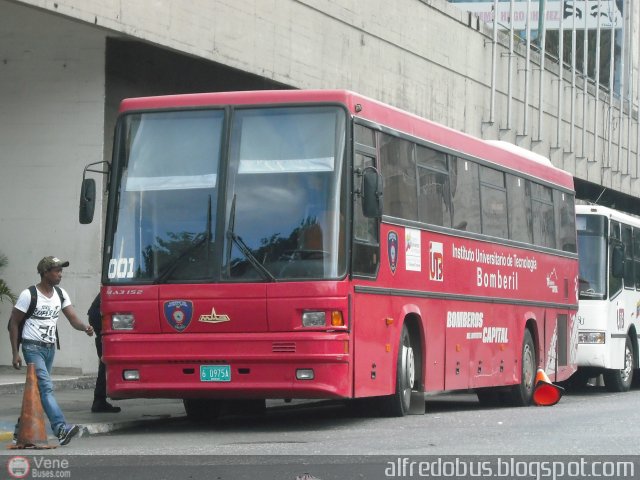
(215, 373)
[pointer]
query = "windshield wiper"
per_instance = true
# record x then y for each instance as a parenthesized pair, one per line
(198, 240)
(246, 251)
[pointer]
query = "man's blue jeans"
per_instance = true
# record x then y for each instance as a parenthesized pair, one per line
(42, 357)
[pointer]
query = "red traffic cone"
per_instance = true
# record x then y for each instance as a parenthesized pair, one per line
(546, 393)
(31, 431)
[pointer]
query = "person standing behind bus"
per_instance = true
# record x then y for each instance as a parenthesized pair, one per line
(39, 335)
(100, 404)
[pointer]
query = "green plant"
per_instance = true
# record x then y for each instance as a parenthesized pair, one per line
(5, 291)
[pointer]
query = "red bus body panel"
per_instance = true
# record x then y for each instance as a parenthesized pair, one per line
(263, 345)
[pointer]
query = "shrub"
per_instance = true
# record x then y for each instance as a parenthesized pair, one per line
(5, 291)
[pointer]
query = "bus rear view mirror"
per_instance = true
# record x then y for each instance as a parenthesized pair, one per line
(88, 190)
(87, 200)
(371, 193)
(617, 261)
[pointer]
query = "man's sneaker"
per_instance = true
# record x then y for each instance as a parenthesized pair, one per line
(67, 433)
(102, 406)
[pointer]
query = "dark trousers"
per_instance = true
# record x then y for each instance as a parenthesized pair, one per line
(100, 393)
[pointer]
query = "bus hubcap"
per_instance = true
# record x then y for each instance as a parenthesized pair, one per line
(625, 373)
(527, 367)
(409, 367)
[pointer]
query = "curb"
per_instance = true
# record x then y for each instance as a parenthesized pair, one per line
(82, 383)
(90, 429)
(107, 427)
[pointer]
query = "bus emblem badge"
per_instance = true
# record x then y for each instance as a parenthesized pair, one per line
(392, 250)
(214, 317)
(178, 314)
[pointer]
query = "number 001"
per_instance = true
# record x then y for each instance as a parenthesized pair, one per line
(121, 268)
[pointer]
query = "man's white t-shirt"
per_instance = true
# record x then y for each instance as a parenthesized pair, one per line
(41, 325)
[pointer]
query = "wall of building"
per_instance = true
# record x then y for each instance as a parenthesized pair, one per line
(426, 56)
(51, 119)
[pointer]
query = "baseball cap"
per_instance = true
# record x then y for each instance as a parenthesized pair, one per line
(47, 263)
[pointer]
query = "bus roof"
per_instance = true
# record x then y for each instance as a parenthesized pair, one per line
(498, 152)
(611, 213)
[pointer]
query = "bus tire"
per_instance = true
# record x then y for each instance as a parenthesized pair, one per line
(397, 405)
(201, 409)
(522, 393)
(620, 380)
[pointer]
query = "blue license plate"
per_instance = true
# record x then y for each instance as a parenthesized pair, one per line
(215, 373)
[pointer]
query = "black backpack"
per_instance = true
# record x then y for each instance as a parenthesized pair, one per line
(31, 309)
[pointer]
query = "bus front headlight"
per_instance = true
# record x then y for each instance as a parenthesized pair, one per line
(591, 337)
(314, 319)
(122, 321)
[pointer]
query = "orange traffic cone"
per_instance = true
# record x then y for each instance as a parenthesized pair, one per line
(31, 431)
(546, 393)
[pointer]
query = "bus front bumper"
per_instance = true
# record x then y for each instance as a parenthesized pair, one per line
(608, 355)
(298, 365)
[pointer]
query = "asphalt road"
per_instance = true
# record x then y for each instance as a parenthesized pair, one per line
(329, 440)
(588, 423)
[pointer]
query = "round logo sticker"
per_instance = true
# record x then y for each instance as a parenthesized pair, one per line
(18, 467)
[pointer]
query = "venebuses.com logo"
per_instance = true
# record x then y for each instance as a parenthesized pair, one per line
(38, 467)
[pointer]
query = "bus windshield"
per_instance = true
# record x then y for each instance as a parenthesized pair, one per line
(284, 209)
(285, 204)
(592, 251)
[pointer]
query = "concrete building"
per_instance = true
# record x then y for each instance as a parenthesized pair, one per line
(66, 64)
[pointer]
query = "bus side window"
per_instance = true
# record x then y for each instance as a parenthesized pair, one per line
(615, 256)
(399, 171)
(627, 241)
(565, 221)
(636, 256)
(520, 218)
(493, 195)
(544, 227)
(434, 197)
(465, 194)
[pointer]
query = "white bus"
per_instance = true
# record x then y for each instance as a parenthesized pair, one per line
(609, 295)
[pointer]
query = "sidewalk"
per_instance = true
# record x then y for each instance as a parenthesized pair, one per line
(74, 394)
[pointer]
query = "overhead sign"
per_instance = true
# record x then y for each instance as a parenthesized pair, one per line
(565, 15)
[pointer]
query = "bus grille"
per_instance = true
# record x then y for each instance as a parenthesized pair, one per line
(283, 347)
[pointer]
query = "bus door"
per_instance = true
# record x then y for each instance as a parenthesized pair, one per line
(373, 369)
(556, 343)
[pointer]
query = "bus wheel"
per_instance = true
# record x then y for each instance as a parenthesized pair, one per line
(522, 393)
(201, 409)
(620, 380)
(397, 405)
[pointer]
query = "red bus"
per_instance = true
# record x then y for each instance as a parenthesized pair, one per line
(320, 244)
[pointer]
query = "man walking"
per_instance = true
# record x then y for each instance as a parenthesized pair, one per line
(33, 323)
